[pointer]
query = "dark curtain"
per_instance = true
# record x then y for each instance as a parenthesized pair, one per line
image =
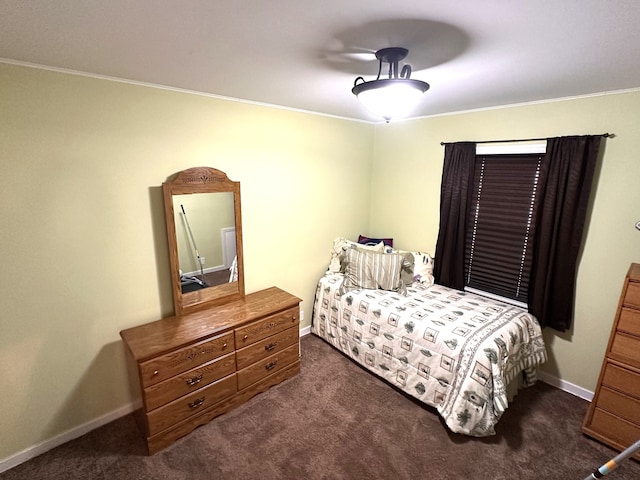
(455, 198)
(566, 176)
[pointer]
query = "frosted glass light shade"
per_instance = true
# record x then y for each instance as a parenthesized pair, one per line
(390, 98)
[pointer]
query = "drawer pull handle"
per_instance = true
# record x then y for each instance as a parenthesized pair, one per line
(224, 346)
(271, 365)
(194, 381)
(245, 337)
(293, 318)
(155, 372)
(271, 346)
(196, 403)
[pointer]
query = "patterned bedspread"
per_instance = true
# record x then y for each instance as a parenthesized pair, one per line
(452, 350)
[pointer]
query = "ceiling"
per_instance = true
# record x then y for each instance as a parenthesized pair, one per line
(305, 55)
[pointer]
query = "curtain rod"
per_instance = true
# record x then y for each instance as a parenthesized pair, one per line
(606, 135)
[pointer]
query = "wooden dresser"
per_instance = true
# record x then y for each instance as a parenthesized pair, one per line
(614, 414)
(188, 369)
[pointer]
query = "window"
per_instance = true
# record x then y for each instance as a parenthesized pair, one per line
(557, 210)
(500, 225)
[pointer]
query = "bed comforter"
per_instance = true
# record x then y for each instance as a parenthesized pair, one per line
(452, 350)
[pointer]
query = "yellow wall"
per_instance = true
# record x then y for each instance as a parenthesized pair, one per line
(405, 203)
(82, 237)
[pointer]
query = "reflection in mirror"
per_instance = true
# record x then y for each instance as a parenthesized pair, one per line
(206, 237)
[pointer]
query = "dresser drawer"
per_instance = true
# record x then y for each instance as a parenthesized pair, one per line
(621, 379)
(189, 381)
(184, 407)
(614, 428)
(626, 347)
(621, 405)
(629, 321)
(267, 366)
(269, 346)
(266, 327)
(632, 297)
(170, 364)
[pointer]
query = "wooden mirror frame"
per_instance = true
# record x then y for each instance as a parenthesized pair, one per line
(201, 180)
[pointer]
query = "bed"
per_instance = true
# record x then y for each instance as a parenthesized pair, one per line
(455, 351)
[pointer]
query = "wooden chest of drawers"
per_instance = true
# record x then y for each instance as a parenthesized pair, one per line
(189, 369)
(614, 414)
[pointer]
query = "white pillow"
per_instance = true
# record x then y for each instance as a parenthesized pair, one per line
(422, 268)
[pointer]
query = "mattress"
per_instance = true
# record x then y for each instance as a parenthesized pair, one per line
(455, 351)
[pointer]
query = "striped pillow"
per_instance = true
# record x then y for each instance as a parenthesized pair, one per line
(339, 252)
(374, 271)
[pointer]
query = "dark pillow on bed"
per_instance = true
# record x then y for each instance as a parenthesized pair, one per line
(374, 271)
(374, 241)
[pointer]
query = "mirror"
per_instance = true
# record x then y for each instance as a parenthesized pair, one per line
(204, 233)
(212, 263)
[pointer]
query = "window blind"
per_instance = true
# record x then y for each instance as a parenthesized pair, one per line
(501, 223)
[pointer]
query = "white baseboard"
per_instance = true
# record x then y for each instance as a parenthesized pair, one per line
(565, 386)
(305, 331)
(45, 446)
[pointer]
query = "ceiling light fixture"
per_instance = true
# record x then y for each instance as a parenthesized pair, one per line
(394, 96)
